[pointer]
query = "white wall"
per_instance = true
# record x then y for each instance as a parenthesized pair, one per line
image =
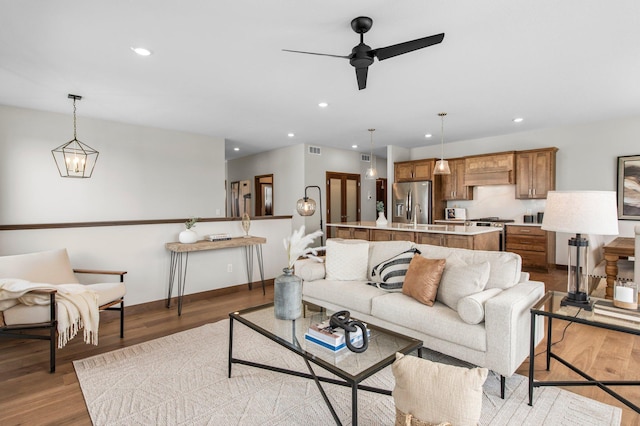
(140, 251)
(142, 173)
(586, 160)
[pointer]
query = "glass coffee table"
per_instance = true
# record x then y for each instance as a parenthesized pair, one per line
(550, 307)
(351, 367)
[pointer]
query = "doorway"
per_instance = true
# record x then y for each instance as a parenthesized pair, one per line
(343, 197)
(264, 195)
(381, 193)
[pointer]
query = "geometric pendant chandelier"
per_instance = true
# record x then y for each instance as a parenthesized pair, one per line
(75, 159)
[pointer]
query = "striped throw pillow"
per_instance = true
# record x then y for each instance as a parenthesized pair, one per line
(389, 275)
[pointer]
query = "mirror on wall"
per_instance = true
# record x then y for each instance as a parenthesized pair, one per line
(264, 195)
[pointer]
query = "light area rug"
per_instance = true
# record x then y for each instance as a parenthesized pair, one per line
(181, 379)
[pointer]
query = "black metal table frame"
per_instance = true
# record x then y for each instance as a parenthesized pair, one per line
(180, 260)
(589, 380)
(348, 381)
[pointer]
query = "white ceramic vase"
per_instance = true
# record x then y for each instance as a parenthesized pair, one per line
(188, 236)
(381, 221)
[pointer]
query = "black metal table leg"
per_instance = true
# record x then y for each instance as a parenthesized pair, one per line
(532, 356)
(354, 404)
(260, 266)
(172, 272)
(183, 260)
(230, 345)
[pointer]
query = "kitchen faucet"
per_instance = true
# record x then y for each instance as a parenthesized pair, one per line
(415, 210)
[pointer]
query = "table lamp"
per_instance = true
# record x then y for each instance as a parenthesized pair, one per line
(580, 213)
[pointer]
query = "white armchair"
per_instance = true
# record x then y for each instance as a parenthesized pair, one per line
(53, 268)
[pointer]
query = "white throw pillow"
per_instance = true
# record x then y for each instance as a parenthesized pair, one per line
(461, 281)
(347, 260)
(471, 308)
(435, 393)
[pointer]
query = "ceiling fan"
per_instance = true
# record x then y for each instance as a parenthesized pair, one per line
(362, 55)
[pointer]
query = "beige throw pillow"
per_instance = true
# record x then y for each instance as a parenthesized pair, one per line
(461, 281)
(422, 279)
(347, 260)
(436, 393)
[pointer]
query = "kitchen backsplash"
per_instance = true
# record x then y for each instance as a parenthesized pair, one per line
(500, 201)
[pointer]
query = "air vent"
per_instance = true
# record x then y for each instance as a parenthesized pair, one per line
(315, 150)
(365, 158)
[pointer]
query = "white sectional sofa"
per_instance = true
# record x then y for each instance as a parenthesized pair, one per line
(486, 324)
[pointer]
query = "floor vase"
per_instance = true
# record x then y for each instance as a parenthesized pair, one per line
(287, 299)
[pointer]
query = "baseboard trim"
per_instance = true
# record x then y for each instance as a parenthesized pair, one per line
(147, 306)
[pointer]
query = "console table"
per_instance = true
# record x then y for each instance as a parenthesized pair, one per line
(620, 247)
(180, 258)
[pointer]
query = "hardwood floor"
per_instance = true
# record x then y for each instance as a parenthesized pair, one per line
(30, 395)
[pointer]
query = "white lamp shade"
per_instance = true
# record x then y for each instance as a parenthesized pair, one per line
(581, 212)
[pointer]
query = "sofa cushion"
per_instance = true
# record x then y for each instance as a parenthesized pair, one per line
(461, 281)
(435, 392)
(471, 308)
(423, 278)
(379, 251)
(347, 260)
(438, 321)
(51, 267)
(351, 295)
(310, 270)
(504, 270)
(390, 273)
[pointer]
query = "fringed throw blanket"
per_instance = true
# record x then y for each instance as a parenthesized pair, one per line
(76, 305)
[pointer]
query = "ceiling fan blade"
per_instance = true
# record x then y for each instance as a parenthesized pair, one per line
(406, 47)
(313, 53)
(361, 75)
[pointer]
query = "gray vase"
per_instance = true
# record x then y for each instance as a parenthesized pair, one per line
(287, 299)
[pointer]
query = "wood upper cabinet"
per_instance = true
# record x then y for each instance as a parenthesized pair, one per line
(535, 173)
(408, 171)
(491, 169)
(453, 187)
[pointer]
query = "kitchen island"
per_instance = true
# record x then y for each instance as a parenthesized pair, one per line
(456, 236)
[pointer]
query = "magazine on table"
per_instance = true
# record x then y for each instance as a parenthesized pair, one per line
(332, 338)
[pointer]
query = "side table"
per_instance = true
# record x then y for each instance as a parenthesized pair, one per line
(549, 307)
(180, 258)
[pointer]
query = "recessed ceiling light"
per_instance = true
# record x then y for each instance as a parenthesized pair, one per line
(290, 135)
(354, 146)
(141, 51)
(323, 104)
(428, 135)
(518, 120)
(236, 149)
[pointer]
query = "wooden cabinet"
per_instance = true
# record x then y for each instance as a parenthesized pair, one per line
(453, 187)
(389, 235)
(535, 173)
(536, 246)
(486, 241)
(491, 169)
(351, 233)
(408, 171)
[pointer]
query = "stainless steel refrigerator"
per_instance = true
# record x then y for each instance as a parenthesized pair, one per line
(411, 198)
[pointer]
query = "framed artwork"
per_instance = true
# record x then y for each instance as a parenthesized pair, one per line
(629, 187)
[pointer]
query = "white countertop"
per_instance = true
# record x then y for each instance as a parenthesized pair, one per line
(519, 223)
(433, 229)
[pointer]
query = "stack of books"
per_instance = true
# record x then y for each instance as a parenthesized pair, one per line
(324, 335)
(218, 237)
(606, 307)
